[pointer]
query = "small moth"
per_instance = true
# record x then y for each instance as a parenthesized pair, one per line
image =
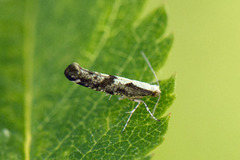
(114, 85)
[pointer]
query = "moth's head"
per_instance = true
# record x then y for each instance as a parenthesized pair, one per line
(72, 71)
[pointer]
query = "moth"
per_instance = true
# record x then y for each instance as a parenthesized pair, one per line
(114, 85)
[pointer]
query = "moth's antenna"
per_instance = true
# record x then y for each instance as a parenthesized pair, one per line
(149, 65)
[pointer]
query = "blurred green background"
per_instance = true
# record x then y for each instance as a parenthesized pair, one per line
(205, 121)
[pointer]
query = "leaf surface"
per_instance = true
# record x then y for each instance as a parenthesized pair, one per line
(43, 115)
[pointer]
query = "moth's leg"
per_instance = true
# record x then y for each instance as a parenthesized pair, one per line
(155, 106)
(110, 96)
(121, 98)
(131, 113)
(141, 101)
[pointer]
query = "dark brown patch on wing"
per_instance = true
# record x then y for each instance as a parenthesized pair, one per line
(130, 90)
(131, 85)
(107, 81)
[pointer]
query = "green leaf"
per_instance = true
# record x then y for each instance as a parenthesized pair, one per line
(43, 115)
